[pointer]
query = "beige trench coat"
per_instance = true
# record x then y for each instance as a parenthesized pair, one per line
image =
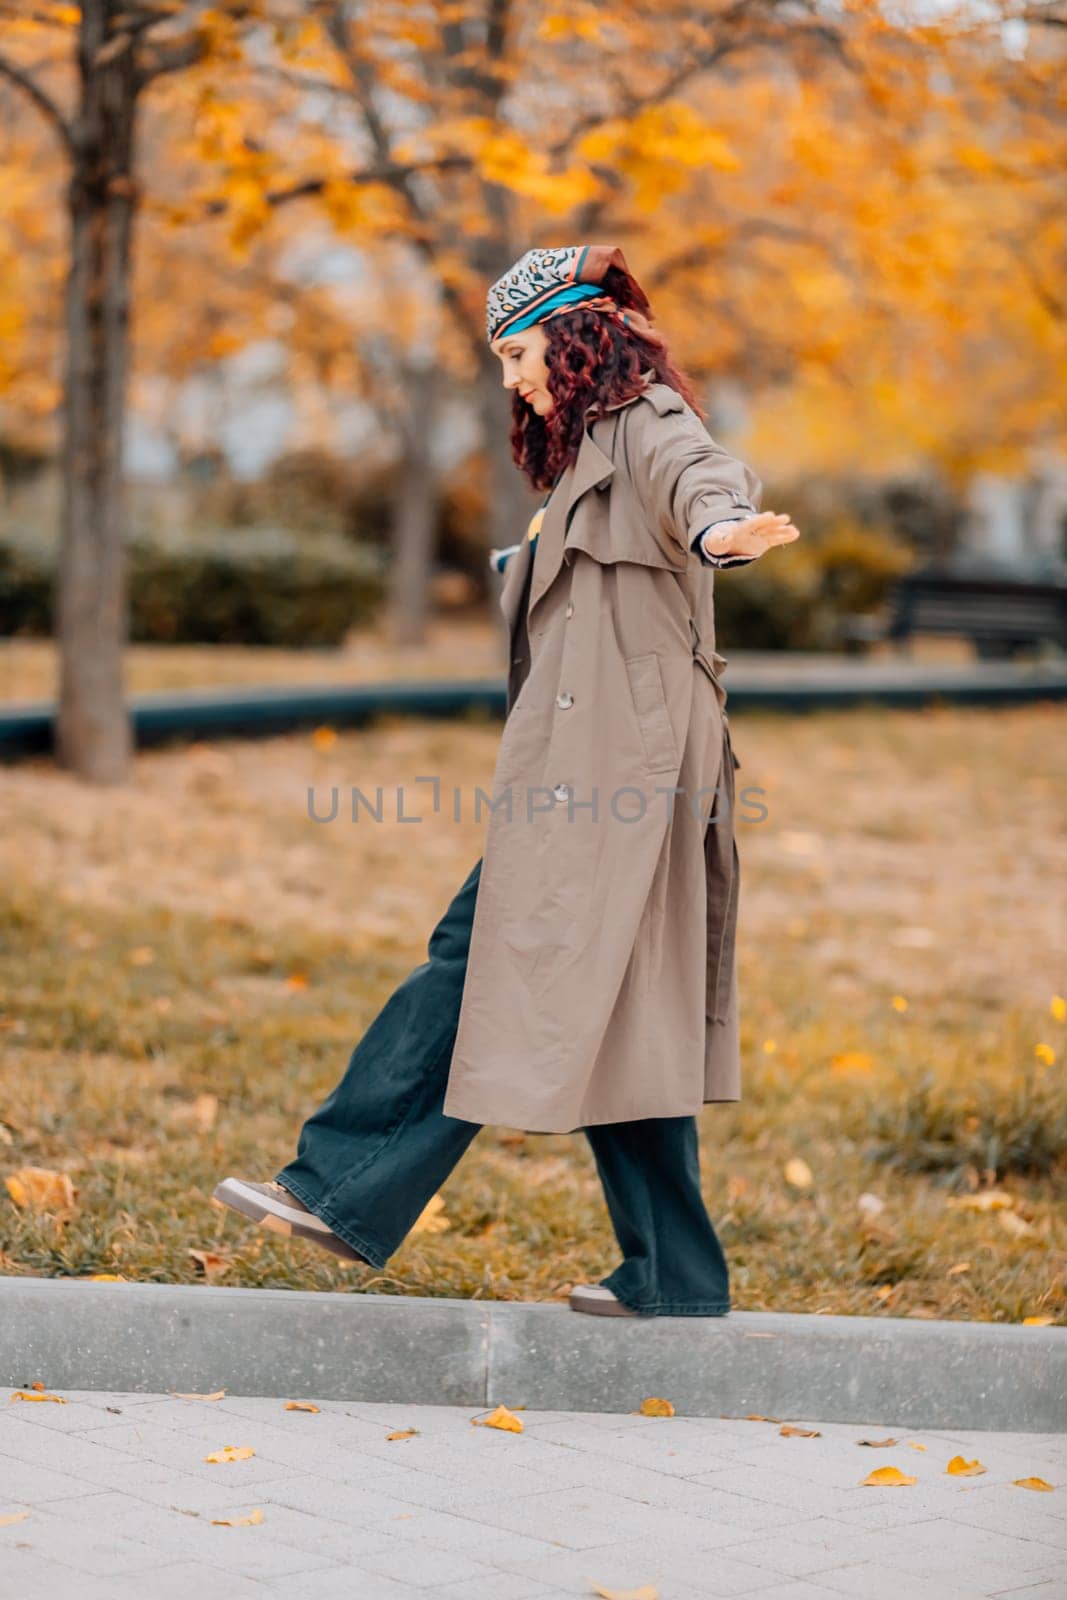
(601, 983)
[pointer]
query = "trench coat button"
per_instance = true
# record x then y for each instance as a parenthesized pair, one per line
(562, 793)
(570, 609)
(564, 700)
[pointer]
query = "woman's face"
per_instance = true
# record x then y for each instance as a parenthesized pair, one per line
(522, 356)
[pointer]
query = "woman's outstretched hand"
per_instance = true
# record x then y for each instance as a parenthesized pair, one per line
(752, 536)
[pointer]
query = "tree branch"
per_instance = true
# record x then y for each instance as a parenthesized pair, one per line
(42, 101)
(174, 57)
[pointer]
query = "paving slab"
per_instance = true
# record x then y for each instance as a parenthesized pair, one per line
(537, 1515)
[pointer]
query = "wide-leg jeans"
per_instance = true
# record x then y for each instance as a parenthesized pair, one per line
(379, 1147)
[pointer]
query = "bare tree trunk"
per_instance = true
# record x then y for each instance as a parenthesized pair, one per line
(94, 736)
(416, 510)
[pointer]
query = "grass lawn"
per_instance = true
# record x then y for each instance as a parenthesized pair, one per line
(186, 963)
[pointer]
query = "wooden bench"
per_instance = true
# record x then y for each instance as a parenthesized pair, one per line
(1000, 615)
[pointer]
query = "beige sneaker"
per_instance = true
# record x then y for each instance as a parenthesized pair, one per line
(273, 1207)
(598, 1299)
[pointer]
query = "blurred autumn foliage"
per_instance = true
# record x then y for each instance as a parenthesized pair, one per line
(856, 214)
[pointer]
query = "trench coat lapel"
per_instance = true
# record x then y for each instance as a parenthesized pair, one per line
(591, 468)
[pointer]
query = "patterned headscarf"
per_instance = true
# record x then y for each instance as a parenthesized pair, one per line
(543, 283)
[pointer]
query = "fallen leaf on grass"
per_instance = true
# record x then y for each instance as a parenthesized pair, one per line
(31, 1394)
(40, 1189)
(231, 1452)
(238, 1522)
(211, 1264)
(1032, 1483)
(798, 1174)
(301, 1405)
(647, 1591)
(890, 1476)
(961, 1266)
(986, 1200)
(429, 1219)
(105, 1277)
(16, 1516)
(787, 1431)
(500, 1418)
(403, 1433)
(654, 1406)
(176, 1395)
(201, 1113)
(1016, 1226)
(959, 1468)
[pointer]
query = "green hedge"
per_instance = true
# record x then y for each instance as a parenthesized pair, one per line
(253, 586)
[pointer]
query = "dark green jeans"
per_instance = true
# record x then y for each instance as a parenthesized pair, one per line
(379, 1147)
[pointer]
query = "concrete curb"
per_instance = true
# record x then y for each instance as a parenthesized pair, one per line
(146, 1337)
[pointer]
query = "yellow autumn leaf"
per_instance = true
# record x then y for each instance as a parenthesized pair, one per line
(500, 1418)
(403, 1433)
(324, 738)
(32, 1394)
(985, 1200)
(647, 1591)
(15, 1516)
(231, 1452)
(217, 1395)
(798, 1174)
(1037, 1322)
(913, 1446)
(888, 1476)
(430, 1218)
(301, 1405)
(961, 1266)
(105, 1277)
(655, 1406)
(959, 1468)
(40, 1188)
(1033, 1483)
(239, 1522)
(1058, 1007)
(296, 981)
(899, 1003)
(787, 1431)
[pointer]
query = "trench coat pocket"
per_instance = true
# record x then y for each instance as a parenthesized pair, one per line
(650, 707)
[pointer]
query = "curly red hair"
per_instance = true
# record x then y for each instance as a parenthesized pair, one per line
(592, 360)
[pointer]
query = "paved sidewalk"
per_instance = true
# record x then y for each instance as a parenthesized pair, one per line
(120, 1503)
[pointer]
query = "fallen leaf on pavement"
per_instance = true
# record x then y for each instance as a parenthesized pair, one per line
(1032, 1483)
(890, 1476)
(238, 1522)
(231, 1452)
(964, 1469)
(654, 1406)
(301, 1405)
(218, 1395)
(500, 1418)
(646, 1592)
(29, 1394)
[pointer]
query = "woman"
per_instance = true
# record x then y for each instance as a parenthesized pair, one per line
(583, 977)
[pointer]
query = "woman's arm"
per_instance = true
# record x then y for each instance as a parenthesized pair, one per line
(685, 481)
